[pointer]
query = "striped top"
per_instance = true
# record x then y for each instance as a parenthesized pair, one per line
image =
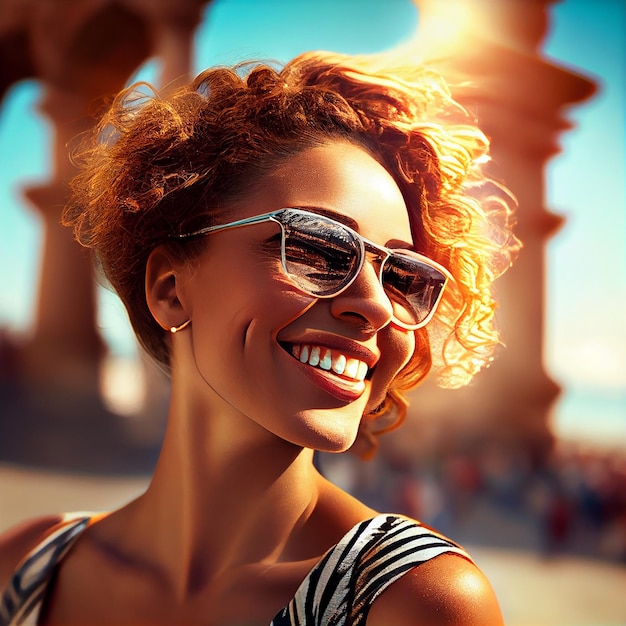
(338, 591)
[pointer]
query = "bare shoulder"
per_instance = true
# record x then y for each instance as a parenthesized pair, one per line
(21, 539)
(448, 589)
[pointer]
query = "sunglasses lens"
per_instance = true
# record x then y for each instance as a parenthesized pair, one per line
(413, 287)
(320, 255)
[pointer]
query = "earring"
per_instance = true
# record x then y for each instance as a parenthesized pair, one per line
(175, 329)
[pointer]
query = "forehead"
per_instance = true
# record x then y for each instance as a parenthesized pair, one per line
(338, 177)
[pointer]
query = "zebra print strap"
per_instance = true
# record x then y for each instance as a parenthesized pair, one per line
(340, 590)
(21, 602)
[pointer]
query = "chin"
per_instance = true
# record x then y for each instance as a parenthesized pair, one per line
(336, 447)
(328, 432)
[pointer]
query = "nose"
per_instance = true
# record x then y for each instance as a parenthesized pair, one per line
(364, 300)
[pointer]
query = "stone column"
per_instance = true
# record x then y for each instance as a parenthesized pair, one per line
(490, 53)
(78, 62)
(174, 24)
(82, 52)
(65, 348)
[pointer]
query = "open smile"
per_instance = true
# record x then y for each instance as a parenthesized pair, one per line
(339, 366)
(329, 360)
(336, 373)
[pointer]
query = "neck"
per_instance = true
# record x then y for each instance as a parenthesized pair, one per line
(223, 501)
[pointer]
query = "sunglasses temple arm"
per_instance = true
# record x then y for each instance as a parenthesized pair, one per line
(243, 222)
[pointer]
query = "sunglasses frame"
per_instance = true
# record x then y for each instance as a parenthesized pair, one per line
(365, 245)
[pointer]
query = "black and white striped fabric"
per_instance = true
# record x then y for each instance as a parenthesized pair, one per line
(338, 591)
(21, 601)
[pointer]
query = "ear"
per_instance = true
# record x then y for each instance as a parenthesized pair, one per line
(162, 293)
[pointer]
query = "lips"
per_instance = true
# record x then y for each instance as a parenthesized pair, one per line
(330, 360)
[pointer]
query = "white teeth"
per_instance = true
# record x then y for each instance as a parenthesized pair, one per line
(362, 371)
(339, 364)
(304, 354)
(325, 359)
(314, 359)
(352, 367)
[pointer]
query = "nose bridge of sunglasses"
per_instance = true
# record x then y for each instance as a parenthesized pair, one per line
(376, 255)
(370, 271)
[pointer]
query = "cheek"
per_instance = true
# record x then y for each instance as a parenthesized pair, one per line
(419, 363)
(402, 346)
(234, 337)
(399, 348)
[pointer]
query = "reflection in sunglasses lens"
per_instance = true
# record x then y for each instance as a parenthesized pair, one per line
(321, 257)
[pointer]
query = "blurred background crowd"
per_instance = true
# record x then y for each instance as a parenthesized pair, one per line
(574, 503)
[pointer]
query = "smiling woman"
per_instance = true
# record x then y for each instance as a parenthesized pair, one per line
(297, 247)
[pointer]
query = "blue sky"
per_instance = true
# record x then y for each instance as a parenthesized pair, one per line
(586, 284)
(586, 280)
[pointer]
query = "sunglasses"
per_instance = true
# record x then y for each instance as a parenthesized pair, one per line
(322, 258)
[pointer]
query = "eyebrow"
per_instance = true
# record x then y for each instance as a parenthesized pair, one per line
(354, 225)
(333, 215)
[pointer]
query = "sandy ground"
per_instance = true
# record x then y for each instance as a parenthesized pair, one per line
(533, 591)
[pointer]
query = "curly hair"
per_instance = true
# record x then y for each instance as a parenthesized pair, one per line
(162, 164)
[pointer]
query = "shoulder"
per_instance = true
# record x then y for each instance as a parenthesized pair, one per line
(18, 541)
(446, 590)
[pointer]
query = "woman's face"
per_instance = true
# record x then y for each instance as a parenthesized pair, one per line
(252, 328)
